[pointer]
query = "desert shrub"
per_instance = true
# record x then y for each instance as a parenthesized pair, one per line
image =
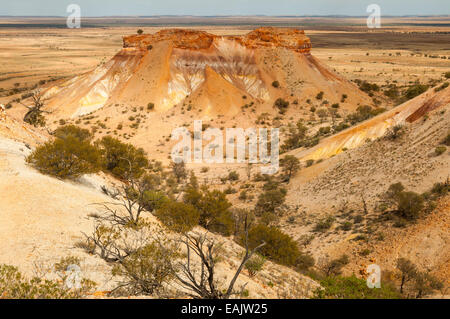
(309, 163)
(443, 86)
(319, 96)
(364, 113)
(324, 224)
(243, 195)
(335, 105)
(304, 262)
(14, 285)
(447, 75)
(276, 84)
(408, 271)
(347, 226)
(441, 189)
(392, 92)
(73, 131)
(67, 157)
(281, 104)
(409, 205)
(425, 284)
(325, 130)
(394, 190)
(322, 113)
(440, 150)
(422, 283)
(446, 140)
(152, 200)
(279, 246)
(270, 200)
(121, 159)
(205, 169)
(290, 165)
(230, 190)
(368, 87)
(395, 132)
(341, 126)
(150, 106)
(214, 208)
(233, 176)
(255, 264)
(415, 90)
(140, 31)
(334, 267)
(146, 270)
(352, 288)
(179, 170)
(296, 136)
(177, 216)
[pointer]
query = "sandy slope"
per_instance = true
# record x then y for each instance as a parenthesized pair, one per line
(41, 218)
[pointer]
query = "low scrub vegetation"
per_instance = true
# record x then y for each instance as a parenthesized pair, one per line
(14, 285)
(72, 154)
(338, 287)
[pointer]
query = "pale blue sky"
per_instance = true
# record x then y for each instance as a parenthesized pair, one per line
(223, 7)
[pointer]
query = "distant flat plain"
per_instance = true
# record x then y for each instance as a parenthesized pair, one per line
(405, 49)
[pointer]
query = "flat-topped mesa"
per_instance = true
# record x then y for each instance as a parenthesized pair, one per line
(289, 38)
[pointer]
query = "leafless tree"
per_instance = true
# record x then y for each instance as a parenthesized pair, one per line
(129, 197)
(202, 282)
(34, 115)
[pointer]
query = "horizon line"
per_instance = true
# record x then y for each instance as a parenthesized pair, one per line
(226, 16)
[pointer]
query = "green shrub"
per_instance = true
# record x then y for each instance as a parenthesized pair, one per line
(179, 217)
(146, 270)
(121, 159)
(233, 176)
(290, 165)
(446, 140)
(319, 96)
(270, 200)
(364, 113)
(281, 104)
(309, 163)
(73, 131)
(440, 150)
(67, 157)
(395, 132)
(352, 288)
(279, 246)
(347, 226)
(441, 188)
(214, 208)
(14, 285)
(334, 267)
(255, 264)
(443, 86)
(415, 90)
(324, 224)
(368, 87)
(409, 205)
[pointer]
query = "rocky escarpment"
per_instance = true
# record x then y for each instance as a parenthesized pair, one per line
(291, 39)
